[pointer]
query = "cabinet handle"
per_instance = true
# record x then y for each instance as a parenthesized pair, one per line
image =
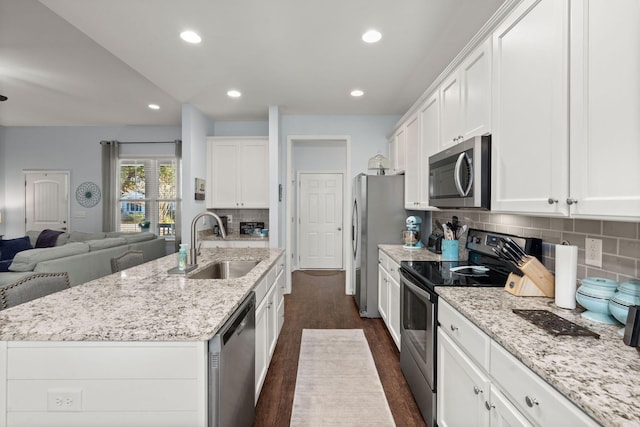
(552, 201)
(454, 328)
(530, 401)
(488, 405)
(572, 201)
(477, 390)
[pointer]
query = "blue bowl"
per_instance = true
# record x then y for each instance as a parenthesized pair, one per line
(594, 295)
(628, 294)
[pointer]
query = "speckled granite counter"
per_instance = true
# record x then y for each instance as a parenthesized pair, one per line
(143, 303)
(398, 253)
(602, 376)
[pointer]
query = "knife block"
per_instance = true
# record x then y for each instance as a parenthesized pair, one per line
(522, 286)
(539, 275)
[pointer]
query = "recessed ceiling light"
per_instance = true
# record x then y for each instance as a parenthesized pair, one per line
(154, 106)
(372, 36)
(356, 93)
(234, 93)
(190, 37)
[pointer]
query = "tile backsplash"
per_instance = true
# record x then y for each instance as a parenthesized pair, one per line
(620, 240)
(243, 215)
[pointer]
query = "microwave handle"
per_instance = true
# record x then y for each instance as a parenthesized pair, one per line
(456, 175)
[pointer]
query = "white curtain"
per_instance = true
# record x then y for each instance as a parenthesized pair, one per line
(110, 184)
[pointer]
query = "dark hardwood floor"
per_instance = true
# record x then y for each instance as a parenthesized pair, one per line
(319, 302)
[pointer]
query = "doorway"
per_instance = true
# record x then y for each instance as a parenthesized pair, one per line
(316, 154)
(47, 203)
(320, 220)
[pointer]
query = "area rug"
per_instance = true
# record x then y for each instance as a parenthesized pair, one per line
(337, 382)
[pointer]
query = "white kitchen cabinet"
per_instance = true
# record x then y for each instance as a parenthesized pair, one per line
(462, 387)
(412, 196)
(465, 98)
(530, 109)
(389, 295)
(238, 172)
(269, 320)
(493, 387)
(605, 109)
(397, 151)
(429, 114)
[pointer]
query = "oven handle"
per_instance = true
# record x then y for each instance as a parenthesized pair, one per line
(407, 281)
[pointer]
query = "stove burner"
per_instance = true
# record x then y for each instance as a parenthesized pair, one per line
(554, 324)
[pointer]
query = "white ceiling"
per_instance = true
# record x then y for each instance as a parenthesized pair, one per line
(100, 62)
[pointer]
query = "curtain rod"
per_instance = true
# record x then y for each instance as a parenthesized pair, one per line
(145, 142)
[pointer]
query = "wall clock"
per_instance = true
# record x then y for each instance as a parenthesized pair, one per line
(88, 194)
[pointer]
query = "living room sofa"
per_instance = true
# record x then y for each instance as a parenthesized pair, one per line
(83, 256)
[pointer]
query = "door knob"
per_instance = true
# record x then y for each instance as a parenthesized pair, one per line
(552, 201)
(571, 201)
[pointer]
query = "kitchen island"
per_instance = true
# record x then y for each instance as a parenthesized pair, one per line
(125, 349)
(601, 376)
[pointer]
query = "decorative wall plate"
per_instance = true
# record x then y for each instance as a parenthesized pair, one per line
(88, 194)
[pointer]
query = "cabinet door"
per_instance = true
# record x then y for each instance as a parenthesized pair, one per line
(383, 292)
(503, 413)
(412, 165)
(262, 350)
(254, 174)
(450, 111)
(605, 108)
(280, 288)
(530, 113)
(475, 73)
(225, 188)
(462, 387)
(272, 320)
(429, 140)
(393, 314)
(398, 151)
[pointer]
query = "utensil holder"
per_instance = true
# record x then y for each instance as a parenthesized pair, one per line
(450, 251)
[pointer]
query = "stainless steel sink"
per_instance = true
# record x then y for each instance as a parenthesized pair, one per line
(225, 270)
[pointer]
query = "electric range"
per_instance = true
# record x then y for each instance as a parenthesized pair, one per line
(419, 282)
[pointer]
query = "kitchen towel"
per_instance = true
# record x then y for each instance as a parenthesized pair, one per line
(566, 272)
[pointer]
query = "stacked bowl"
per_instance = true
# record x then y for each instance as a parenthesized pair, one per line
(628, 294)
(594, 295)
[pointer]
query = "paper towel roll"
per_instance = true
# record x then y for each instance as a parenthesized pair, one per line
(566, 272)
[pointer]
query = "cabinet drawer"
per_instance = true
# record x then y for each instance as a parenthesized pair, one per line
(383, 260)
(394, 270)
(280, 264)
(538, 401)
(472, 340)
(261, 290)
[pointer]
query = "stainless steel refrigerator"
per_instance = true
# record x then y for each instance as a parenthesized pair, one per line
(378, 217)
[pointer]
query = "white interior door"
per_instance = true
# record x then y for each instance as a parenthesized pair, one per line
(320, 238)
(47, 200)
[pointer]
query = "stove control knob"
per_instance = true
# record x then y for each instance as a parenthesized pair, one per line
(478, 240)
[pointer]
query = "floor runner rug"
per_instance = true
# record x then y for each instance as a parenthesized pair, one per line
(337, 382)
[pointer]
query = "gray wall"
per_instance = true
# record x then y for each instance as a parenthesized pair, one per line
(76, 149)
(3, 159)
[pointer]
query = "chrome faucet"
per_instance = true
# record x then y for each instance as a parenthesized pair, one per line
(194, 250)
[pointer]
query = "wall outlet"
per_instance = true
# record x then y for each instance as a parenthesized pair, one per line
(229, 218)
(64, 399)
(593, 252)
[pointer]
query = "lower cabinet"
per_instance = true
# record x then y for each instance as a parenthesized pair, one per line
(269, 319)
(494, 388)
(389, 295)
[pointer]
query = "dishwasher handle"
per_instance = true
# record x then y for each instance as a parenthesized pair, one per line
(238, 323)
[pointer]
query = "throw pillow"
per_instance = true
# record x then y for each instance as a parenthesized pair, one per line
(9, 248)
(47, 238)
(4, 266)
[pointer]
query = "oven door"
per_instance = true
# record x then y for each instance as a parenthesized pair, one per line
(418, 326)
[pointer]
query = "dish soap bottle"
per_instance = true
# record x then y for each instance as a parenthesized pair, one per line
(182, 257)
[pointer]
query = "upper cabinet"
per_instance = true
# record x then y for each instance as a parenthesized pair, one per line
(238, 172)
(397, 151)
(412, 196)
(465, 98)
(530, 109)
(605, 109)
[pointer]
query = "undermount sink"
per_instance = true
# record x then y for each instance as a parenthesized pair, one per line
(225, 270)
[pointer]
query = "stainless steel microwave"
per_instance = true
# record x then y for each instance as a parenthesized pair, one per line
(460, 176)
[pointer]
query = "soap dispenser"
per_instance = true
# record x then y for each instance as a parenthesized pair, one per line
(182, 257)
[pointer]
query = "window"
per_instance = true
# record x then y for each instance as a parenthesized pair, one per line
(148, 195)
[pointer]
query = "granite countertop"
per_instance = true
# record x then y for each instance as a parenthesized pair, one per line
(601, 376)
(143, 303)
(398, 253)
(232, 237)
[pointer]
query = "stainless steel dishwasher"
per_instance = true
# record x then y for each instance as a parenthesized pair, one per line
(232, 367)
